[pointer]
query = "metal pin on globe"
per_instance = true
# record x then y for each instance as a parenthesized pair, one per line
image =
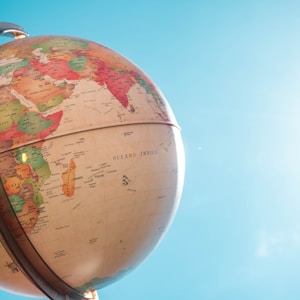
(91, 166)
(12, 30)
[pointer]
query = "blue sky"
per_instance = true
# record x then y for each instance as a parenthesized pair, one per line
(231, 72)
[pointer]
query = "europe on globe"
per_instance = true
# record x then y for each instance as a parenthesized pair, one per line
(91, 166)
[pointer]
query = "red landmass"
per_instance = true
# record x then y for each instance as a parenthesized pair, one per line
(55, 118)
(57, 69)
(118, 83)
(19, 72)
(17, 136)
(10, 133)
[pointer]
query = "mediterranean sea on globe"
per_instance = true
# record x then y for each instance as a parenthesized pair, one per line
(91, 160)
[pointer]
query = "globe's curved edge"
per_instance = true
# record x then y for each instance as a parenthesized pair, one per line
(99, 282)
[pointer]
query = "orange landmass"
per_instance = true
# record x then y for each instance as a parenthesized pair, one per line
(29, 216)
(68, 178)
(60, 55)
(23, 171)
(36, 90)
(13, 184)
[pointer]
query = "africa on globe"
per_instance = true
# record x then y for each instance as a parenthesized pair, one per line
(91, 166)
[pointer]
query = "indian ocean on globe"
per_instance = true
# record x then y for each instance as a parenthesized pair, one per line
(91, 165)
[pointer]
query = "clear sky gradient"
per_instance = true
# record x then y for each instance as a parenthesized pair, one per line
(231, 72)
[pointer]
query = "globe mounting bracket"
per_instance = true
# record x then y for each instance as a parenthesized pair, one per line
(12, 30)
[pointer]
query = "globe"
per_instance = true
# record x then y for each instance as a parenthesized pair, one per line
(91, 166)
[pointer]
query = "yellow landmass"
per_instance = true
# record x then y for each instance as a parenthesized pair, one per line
(68, 178)
(60, 55)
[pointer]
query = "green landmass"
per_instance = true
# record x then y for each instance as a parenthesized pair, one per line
(78, 63)
(62, 44)
(37, 198)
(17, 203)
(10, 113)
(32, 123)
(10, 67)
(43, 172)
(33, 157)
(55, 101)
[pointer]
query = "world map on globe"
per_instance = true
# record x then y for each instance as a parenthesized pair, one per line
(90, 160)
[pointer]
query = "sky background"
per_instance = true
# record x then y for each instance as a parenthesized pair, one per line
(231, 72)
